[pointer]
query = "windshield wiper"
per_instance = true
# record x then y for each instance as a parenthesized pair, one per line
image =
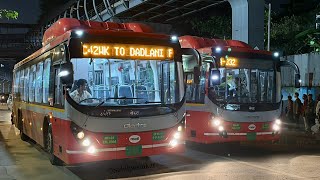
(162, 104)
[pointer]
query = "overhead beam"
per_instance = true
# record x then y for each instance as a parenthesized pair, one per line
(194, 11)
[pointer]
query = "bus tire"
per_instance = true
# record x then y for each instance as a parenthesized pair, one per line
(11, 117)
(49, 147)
(23, 136)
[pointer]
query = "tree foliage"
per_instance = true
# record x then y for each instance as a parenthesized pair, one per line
(9, 14)
(283, 32)
(214, 27)
(292, 33)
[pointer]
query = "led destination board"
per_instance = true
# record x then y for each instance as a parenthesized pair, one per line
(229, 62)
(127, 51)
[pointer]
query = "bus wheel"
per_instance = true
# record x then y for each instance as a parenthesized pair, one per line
(49, 147)
(23, 136)
(12, 122)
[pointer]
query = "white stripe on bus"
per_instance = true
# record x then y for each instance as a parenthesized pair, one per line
(237, 134)
(121, 148)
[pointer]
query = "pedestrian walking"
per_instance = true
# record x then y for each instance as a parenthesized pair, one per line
(310, 112)
(290, 111)
(297, 109)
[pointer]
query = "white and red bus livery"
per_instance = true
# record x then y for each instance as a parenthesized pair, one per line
(233, 92)
(134, 103)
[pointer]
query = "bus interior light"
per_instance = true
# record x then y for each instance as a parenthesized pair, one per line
(63, 73)
(179, 128)
(300, 80)
(214, 77)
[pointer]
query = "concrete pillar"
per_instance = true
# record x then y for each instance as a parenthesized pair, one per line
(248, 21)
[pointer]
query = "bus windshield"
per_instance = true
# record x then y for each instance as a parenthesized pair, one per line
(117, 82)
(245, 86)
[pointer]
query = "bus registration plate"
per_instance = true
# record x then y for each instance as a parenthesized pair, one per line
(251, 136)
(134, 150)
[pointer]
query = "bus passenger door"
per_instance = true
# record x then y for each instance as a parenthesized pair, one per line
(58, 103)
(195, 79)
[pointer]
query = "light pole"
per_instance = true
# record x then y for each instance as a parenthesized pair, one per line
(269, 24)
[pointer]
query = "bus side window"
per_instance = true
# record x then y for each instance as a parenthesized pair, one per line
(189, 88)
(46, 79)
(58, 96)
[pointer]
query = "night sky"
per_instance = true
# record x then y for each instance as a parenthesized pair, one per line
(28, 10)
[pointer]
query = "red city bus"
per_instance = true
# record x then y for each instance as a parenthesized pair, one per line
(233, 92)
(100, 91)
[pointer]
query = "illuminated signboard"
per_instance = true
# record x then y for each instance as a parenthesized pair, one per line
(229, 62)
(127, 51)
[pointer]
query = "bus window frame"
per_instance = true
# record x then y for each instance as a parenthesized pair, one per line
(60, 56)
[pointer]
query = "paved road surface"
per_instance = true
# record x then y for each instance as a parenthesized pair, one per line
(25, 160)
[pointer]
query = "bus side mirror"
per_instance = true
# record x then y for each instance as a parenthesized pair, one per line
(297, 81)
(196, 75)
(215, 77)
(66, 74)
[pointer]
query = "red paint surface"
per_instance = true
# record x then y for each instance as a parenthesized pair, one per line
(201, 123)
(63, 137)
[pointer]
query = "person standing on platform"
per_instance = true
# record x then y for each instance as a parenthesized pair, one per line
(290, 111)
(297, 109)
(310, 112)
(304, 106)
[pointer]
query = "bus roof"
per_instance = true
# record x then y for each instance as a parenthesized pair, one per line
(61, 30)
(205, 43)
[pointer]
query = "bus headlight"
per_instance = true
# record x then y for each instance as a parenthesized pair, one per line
(77, 131)
(86, 142)
(92, 150)
(177, 135)
(276, 127)
(179, 128)
(220, 128)
(216, 122)
(278, 122)
(173, 143)
(80, 135)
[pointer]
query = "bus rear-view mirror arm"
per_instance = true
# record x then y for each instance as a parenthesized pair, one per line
(297, 80)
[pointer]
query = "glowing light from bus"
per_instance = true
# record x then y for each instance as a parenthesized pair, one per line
(218, 49)
(127, 51)
(229, 62)
(63, 73)
(79, 32)
(174, 38)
